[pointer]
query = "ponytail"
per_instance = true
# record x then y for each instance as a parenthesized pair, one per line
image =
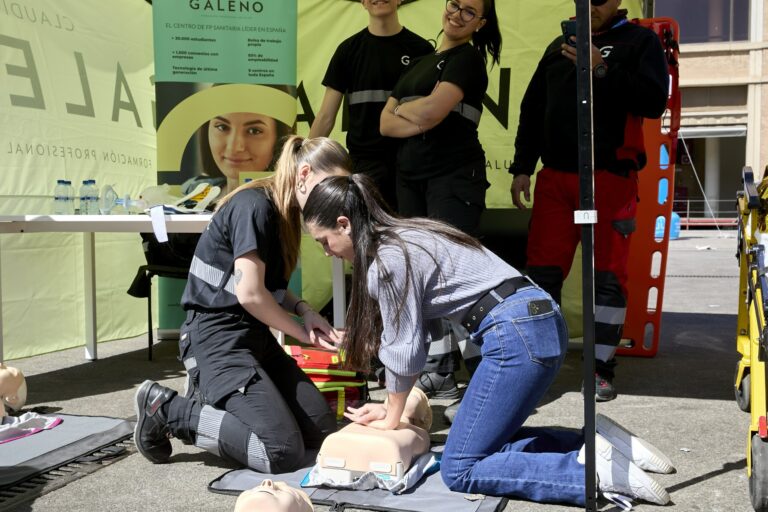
(323, 156)
(488, 39)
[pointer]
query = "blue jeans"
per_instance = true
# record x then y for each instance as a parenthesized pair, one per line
(488, 451)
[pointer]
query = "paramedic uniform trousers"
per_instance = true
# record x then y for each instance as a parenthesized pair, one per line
(266, 423)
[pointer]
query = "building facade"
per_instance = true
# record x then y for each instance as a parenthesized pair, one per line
(724, 100)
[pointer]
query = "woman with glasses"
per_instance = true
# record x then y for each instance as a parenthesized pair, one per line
(435, 110)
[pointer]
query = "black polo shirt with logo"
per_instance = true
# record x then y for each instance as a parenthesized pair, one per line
(365, 68)
(454, 142)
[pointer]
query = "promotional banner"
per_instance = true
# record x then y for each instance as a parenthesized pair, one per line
(230, 42)
(225, 75)
(223, 69)
(76, 103)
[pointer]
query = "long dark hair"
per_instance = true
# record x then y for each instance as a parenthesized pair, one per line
(488, 39)
(372, 225)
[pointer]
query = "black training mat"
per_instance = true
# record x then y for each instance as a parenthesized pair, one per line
(429, 495)
(73, 438)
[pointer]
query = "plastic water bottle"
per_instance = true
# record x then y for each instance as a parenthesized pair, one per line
(60, 198)
(94, 204)
(89, 206)
(84, 198)
(70, 197)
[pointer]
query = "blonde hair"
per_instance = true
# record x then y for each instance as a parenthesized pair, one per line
(324, 156)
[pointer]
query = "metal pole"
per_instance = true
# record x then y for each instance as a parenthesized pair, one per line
(587, 217)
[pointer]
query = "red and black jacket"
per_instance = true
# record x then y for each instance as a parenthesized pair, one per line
(635, 87)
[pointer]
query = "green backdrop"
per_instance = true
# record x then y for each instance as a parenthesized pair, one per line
(76, 101)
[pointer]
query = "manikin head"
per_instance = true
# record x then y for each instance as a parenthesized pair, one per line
(13, 389)
(273, 497)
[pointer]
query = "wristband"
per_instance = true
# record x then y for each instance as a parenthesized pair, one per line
(296, 306)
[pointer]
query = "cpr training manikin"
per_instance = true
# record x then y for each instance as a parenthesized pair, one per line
(353, 451)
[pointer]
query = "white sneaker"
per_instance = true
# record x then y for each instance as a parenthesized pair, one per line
(636, 449)
(616, 473)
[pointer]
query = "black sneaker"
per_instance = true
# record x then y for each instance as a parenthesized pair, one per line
(604, 390)
(438, 385)
(151, 432)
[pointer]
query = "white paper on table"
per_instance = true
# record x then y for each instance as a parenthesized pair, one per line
(157, 214)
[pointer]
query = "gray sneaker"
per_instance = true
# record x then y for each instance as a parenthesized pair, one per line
(438, 385)
(616, 473)
(636, 449)
(450, 412)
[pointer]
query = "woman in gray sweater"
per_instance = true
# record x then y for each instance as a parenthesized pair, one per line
(410, 273)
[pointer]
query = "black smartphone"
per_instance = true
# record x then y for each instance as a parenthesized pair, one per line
(569, 29)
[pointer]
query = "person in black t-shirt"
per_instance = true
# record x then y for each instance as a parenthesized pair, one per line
(435, 110)
(365, 68)
(253, 405)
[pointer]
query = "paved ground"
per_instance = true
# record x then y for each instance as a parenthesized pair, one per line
(682, 400)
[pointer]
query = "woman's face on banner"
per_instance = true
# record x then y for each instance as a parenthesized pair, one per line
(242, 142)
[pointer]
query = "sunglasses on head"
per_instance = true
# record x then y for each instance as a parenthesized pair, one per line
(596, 3)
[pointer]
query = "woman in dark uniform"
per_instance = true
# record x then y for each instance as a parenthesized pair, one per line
(435, 111)
(254, 405)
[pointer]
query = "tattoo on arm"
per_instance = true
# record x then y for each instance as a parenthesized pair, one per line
(238, 276)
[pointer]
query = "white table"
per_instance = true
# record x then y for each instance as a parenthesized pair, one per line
(90, 224)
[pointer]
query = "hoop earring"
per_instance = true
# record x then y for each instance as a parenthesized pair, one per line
(302, 186)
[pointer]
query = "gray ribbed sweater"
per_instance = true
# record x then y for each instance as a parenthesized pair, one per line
(446, 280)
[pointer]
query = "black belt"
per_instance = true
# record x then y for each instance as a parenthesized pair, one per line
(490, 299)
